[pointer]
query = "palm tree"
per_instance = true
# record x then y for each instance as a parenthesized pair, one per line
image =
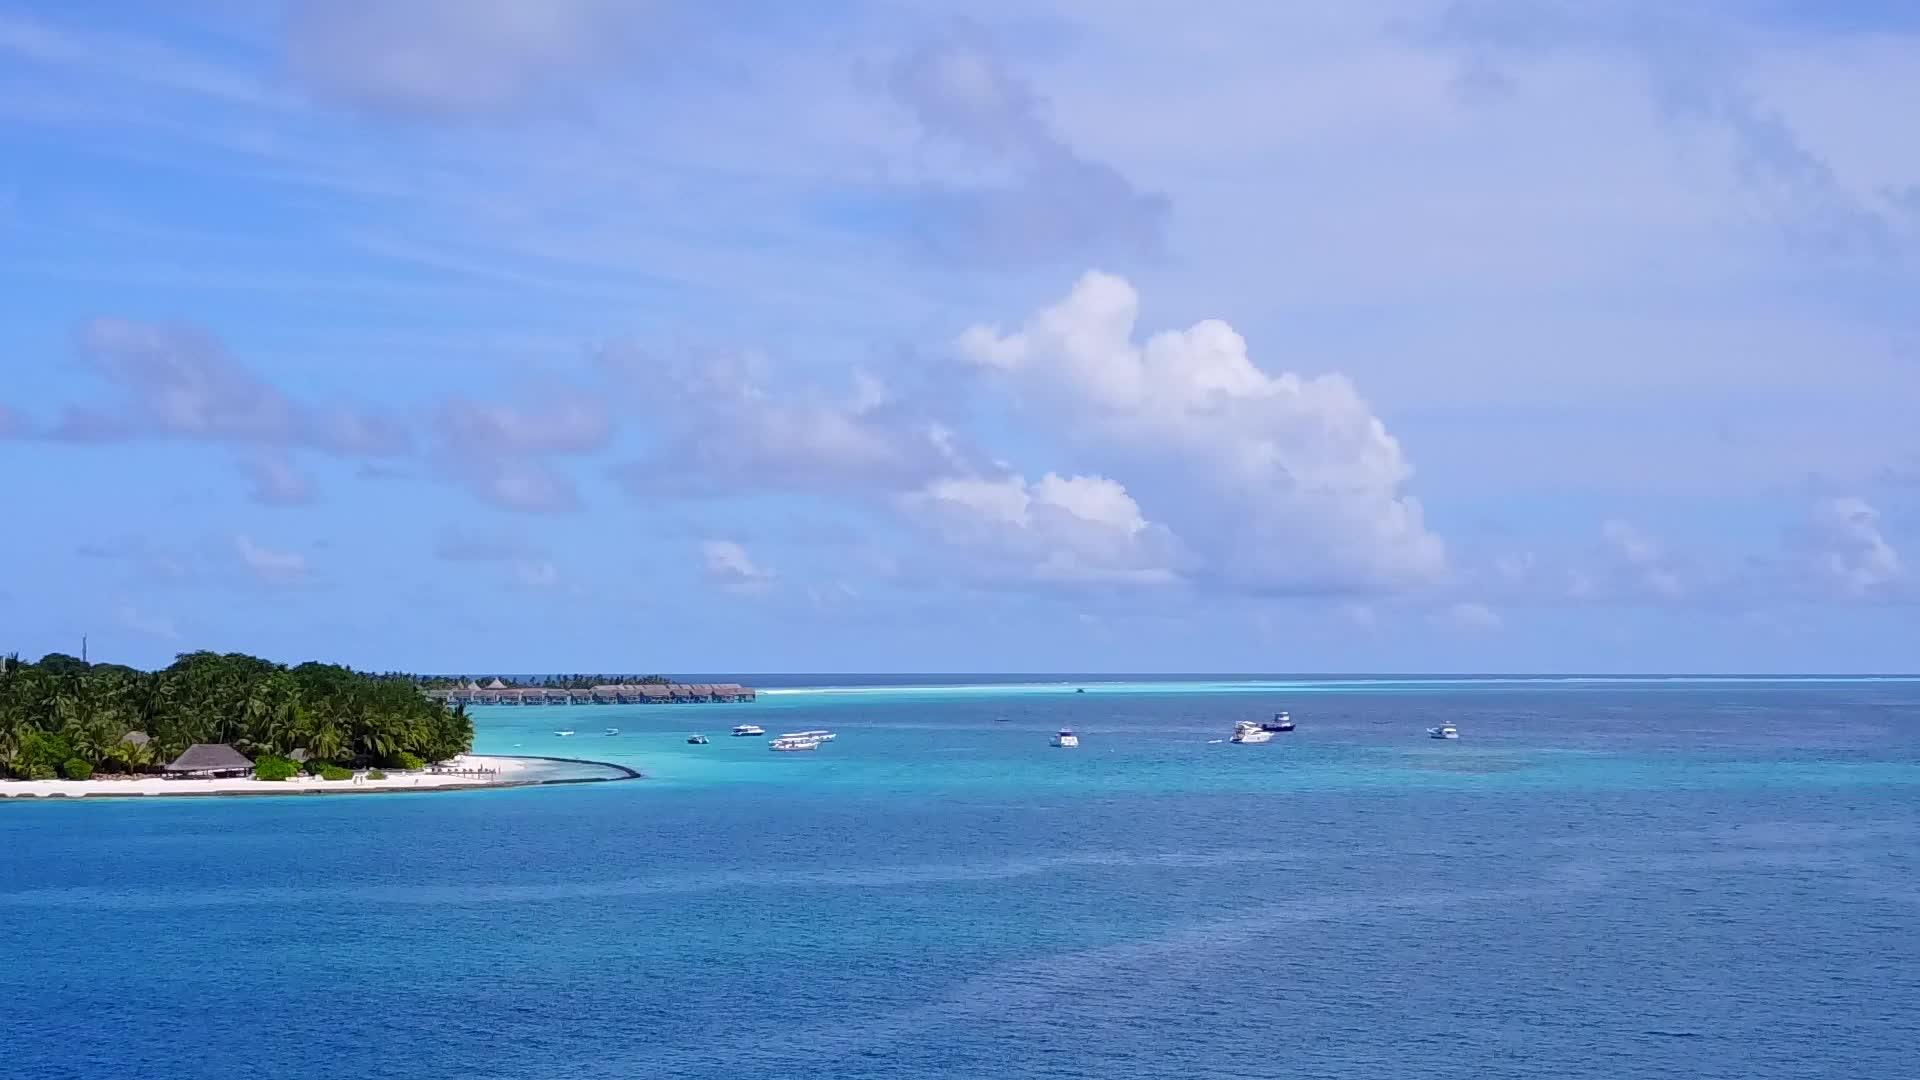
(325, 741)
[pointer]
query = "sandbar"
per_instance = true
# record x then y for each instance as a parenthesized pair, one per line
(505, 772)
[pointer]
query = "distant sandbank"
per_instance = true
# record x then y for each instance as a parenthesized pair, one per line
(466, 772)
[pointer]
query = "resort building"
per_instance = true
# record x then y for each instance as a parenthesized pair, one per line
(202, 760)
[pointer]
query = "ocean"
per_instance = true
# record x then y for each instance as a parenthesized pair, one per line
(1618, 878)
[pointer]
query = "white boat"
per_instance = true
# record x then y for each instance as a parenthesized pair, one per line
(611, 731)
(745, 730)
(1066, 740)
(1282, 721)
(788, 744)
(1246, 732)
(1444, 731)
(564, 734)
(818, 736)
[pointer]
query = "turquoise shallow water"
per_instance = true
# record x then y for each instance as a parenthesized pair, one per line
(1697, 878)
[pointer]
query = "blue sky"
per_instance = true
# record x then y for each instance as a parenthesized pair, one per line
(1396, 336)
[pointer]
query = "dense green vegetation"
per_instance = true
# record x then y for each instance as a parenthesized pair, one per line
(63, 710)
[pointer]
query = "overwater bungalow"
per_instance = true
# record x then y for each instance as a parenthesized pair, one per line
(209, 760)
(497, 692)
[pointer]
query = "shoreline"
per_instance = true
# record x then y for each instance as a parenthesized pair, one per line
(247, 787)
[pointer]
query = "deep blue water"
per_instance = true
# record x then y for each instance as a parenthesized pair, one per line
(1691, 879)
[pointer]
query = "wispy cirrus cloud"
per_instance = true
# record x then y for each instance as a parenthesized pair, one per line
(524, 562)
(499, 452)
(1847, 552)
(727, 564)
(270, 566)
(178, 381)
(724, 429)
(1031, 196)
(276, 482)
(452, 60)
(1694, 63)
(136, 620)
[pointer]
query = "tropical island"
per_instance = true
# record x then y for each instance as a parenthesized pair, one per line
(226, 723)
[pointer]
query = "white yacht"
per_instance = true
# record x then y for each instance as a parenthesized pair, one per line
(1246, 732)
(1444, 731)
(745, 730)
(1066, 740)
(790, 743)
(611, 731)
(564, 734)
(817, 736)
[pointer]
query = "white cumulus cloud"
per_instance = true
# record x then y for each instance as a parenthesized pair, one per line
(1280, 482)
(1081, 529)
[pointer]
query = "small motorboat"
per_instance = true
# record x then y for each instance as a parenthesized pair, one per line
(696, 740)
(1066, 739)
(564, 734)
(611, 731)
(1444, 731)
(747, 730)
(1281, 722)
(1248, 733)
(789, 744)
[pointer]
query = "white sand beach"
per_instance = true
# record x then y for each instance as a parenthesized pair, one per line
(475, 770)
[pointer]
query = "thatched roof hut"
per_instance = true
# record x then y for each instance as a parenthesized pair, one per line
(210, 759)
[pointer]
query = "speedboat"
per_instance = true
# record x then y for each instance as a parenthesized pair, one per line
(1066, 739)
(1444, 731)
(816, 736)
(564, 734)
(611, 731)
(696, 740)
(1246, 732)
(745, 730)
(790, 743)
(1281, 721)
